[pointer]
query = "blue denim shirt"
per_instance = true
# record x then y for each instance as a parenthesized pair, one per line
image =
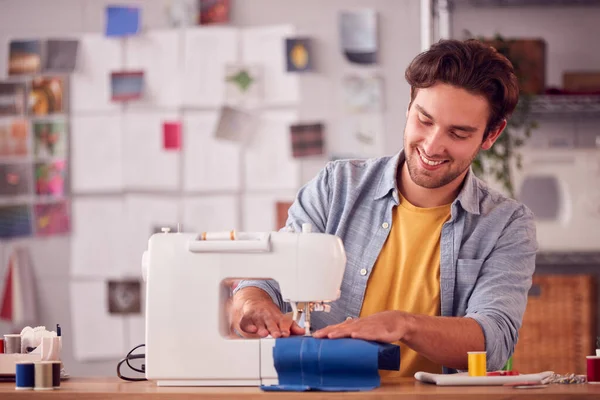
(488, 247)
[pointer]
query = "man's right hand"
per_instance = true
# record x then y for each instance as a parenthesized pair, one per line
(255, 315)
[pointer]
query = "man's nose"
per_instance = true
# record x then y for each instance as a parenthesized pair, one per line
(434, 143)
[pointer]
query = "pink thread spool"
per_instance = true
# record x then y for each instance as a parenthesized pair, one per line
(593, 369)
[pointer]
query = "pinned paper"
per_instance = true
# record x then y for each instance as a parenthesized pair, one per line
(25, 57)
(19, 303)
(298, 54)
(47, 96)
(127, 86)
(15, 179)
(282, 208)
(244, 85)
(124, 297)
(122, 21)
(307, 140)
(213, 12)
(50, 178)
(234, 124)
(50, 139)
(363, 93)
(14, 137)
(172, 135)
(15, 221)
(61, 55)
(13, 99)
(358, 36)
(51, 219)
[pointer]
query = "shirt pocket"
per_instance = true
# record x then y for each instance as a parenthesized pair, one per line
(467, 271)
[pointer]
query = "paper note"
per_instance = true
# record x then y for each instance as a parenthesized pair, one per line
(157, 53)
(16, 179)
(127, 85)
(47, 96)
(269, 161)
(143, 215)
(97, 154)
(172, 135)
(146, 164)
(363, 94)
(50, 178)
(206, 54)
(261, 211)
(213, 12)
(90, 82)
(358, 35)
(50, 139)
(210, 213)
(124, 296)
(97, 335)
(24, 57)
(51, 218)
(122, 21)
(244, 85)
(307, 140)
(61, 55)
(98, 224)
(14, 138)
(281, 210)
(13, 99)
(363, 136)
(299, 57)
(15, 221)
(266, 46)
(209, 164)
(235, 125)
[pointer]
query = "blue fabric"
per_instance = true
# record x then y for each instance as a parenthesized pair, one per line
(122, 21)
(306, 363)
(487, 248)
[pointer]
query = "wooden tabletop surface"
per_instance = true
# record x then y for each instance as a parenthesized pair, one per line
(114, 388)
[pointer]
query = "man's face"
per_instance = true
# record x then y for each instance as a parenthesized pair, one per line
(443, 134)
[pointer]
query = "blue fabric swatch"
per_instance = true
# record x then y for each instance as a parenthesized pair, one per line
(306, 363)
(122, 21)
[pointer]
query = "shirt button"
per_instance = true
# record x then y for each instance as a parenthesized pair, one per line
(385, 225)
(363, 272)
(348, 318)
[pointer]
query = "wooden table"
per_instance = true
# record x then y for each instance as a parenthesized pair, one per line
(114, 388)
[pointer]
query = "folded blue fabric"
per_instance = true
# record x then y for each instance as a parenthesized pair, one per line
(306, 363)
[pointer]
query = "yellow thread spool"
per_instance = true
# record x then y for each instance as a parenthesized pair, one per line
(477, 363)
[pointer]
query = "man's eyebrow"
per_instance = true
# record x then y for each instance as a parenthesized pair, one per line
(464, 128)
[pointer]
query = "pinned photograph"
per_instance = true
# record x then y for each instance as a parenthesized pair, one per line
(13, 99)
(61, 55)
(363, 94)
(307, 140)
(235, 125)
(50, 178)
(122, 21)
(46, 96)
(172, 135)
(15, 179)
(127, 85)
(299, 56)
(213, 12)
(124, 297)
(281, 210)
(15, 221)
(364, 136)
(50, 139)
(51, 219)
(24, 57)
(358, 36)
(243, 85)
(14, 138)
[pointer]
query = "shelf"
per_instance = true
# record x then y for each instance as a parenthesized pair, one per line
(566, 105)
(527, 3)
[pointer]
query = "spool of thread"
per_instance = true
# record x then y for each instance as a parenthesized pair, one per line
(25, 375)
(593, 369)
(56, 374)
(43, 375)
(12, 343)
(229, 235)
(1, 345)
(477, 363)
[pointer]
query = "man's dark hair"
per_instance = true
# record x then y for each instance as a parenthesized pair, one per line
(471, 65)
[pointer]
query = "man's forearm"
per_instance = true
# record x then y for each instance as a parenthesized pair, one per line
(244, 295)
(444, 340)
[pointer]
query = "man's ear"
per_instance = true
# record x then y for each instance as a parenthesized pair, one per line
(493, 136)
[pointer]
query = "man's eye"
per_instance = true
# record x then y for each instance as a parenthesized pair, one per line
(454, 135)
(426, 123)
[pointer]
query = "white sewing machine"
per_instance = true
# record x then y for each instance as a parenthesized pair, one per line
(187, 327)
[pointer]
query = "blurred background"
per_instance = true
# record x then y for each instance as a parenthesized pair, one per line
(119, 119)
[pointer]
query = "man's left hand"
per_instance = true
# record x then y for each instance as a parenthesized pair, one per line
(386, 326)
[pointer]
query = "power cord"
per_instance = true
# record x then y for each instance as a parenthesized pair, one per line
(129, 357)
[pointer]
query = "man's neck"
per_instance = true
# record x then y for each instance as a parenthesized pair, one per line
(424, 197)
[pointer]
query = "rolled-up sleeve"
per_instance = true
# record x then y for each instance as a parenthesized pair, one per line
(499, 297)
(310, 206)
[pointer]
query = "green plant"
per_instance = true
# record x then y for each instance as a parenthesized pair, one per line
(498, 162)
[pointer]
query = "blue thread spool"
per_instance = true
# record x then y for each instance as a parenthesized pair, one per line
(25, 375)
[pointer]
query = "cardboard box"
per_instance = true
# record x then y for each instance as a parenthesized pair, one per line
(581, 81)
(528, 57)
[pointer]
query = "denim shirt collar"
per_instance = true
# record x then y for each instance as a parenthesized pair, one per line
(468, 197)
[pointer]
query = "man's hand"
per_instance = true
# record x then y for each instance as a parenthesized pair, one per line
(255, 315)
(386, 326)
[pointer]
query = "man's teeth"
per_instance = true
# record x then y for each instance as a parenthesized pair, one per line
(429, 162)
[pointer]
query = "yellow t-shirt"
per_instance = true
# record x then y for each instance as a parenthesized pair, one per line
(406, 275)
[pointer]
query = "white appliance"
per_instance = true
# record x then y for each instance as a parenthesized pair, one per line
(562, 188)
(188, 341)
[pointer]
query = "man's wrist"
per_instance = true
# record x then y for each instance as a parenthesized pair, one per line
(407, 325)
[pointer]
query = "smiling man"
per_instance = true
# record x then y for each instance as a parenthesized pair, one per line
(438, 262)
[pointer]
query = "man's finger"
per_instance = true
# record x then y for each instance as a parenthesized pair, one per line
(247, 325)
(261, 328)
(321, 333)
(296, 329)
(272, 327)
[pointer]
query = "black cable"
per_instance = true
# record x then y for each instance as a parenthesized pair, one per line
(126, 360)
